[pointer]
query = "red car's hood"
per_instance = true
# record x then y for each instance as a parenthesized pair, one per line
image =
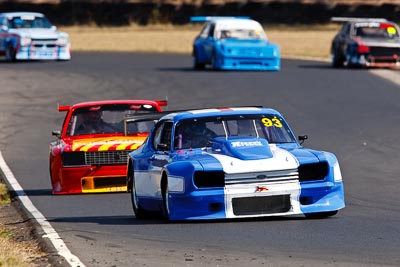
(107, 143)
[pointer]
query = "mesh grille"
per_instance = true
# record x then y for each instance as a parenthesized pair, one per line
(107, 157)
(43, 40)
(257, 177)
(261, 205)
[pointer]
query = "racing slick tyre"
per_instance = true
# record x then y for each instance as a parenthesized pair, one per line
(140, 213)
(10, 53)
(337, 60)
(196, 64)
(320, 215)
(164, 188)
(213, 64)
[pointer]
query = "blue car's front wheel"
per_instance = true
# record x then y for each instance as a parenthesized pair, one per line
(197, 65)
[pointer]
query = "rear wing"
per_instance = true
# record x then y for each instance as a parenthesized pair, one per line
(352, 19)
(151, 118)
(63, 108)
(154, 117)
(210, 18)
(162, 103)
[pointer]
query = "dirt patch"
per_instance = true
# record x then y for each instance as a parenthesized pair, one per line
(19, 243)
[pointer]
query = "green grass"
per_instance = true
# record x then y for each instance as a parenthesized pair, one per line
(4, 195)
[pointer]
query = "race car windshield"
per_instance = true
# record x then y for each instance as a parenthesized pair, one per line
(243, 34)
(28, 22)
(386, 32)
(195, 133)
(108, 119)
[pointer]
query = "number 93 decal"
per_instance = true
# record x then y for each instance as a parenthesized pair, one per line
(271, 122)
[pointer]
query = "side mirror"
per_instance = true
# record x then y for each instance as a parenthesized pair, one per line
(56, 133)
(53, 28)
(163, 147)
(302, 138)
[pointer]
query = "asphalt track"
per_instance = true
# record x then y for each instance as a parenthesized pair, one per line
(350, 112)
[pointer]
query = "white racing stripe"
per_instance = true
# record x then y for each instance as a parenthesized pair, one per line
(49, 231)
(281, 160)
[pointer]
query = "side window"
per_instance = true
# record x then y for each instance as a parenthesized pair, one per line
(346, 30)
(9, 24)
(157, 135)
(162, 136)
(211, 32)
(204, 32)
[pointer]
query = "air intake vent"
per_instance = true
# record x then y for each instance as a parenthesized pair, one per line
(313, 171)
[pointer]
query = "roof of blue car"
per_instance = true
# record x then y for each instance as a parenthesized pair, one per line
(225, 111)
(17, 14)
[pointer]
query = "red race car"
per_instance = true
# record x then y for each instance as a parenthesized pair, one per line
(90, 153)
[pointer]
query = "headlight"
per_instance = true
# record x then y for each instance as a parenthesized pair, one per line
(25, 41)
(337, 173)
(63, 40)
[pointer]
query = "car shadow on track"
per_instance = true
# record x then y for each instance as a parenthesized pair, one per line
(131, 220)
(31, 192)
(317, 66)
(186, 69)
(344, 68)
(210, 70)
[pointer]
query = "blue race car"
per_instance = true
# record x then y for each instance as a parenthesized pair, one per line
(231, 163)
(231, 43)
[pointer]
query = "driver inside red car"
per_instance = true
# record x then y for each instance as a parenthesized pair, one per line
(92, 122)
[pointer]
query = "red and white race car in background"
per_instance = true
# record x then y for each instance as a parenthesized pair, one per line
(366, 42)
(91, 150)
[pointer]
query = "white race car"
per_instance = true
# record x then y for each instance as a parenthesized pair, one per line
(30, 36)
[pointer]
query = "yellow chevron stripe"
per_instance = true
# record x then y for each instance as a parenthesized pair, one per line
(105, 147)
(85, 148)
(122, 146)
(136, 146)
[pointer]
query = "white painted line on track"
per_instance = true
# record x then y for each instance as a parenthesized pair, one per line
(49, 231)
(391, 75)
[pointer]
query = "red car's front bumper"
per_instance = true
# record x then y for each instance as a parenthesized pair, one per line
(91, 179)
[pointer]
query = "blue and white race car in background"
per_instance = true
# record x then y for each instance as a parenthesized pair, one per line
(231, 163)
(231, 43)
(30, 36)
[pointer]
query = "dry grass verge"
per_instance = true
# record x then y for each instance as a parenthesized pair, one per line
(18, 246)
(4, 196)
(295, 41)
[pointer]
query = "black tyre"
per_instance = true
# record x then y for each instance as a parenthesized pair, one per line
(213, 65)
(321, 215)
(10, 53)
(140, 213)
(196, 64)
(337, 59)
(165, 193)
